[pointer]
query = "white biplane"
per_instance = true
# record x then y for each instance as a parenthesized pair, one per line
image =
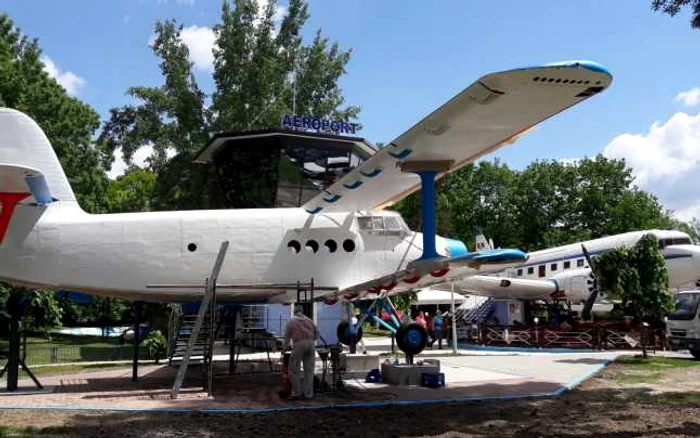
(337, 240)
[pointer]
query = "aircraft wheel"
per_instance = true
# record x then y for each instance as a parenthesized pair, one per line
(695, 353)
(344, 335)
(411, 338)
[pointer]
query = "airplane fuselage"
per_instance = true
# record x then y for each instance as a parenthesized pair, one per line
(122, 254)
(564, 269)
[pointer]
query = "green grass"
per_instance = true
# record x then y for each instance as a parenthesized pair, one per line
(657, 363)
(640, 370)
(34, 431)
(685, 399)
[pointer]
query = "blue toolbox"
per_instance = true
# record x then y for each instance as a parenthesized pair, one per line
(432, 380)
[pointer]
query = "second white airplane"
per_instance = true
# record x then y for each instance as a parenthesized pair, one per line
(563, 272)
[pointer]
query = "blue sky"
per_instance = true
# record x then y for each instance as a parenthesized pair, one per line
(411, 56)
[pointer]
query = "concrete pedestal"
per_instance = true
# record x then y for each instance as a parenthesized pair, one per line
(358, 365)
(403, 374)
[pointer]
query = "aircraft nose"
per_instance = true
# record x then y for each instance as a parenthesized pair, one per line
(456, 247)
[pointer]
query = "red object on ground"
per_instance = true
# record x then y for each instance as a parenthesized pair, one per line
(286, 381)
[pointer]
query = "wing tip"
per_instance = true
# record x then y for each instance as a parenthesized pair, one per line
(582, 63)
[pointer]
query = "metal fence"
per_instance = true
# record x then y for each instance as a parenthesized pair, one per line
(596, 337)
(55, 354)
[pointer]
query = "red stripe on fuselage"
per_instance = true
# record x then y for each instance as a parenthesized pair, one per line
(9, 201)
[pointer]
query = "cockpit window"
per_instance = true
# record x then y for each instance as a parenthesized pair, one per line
(392, 223)
(382, 224)
(365, 222)
(663, 243)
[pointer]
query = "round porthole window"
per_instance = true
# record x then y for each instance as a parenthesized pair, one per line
(312, 246)
(349, 245)
(192, 247)
(294, 246)
(331, 246)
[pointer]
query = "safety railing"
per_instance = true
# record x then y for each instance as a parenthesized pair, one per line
(595, 337)
(76, 353)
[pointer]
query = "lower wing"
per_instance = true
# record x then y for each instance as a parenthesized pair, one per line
(423, 273)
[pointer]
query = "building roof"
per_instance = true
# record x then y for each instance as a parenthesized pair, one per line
(286, 137)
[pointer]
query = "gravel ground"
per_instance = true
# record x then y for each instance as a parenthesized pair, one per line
(605, 406)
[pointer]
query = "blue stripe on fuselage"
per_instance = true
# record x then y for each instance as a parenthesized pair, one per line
(592, 253)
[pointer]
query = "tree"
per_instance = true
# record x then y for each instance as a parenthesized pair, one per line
(638, 277)
(549, 203)
(254, 66)
(132, 192)
(67, 122)
(42, 313)
(673, 7)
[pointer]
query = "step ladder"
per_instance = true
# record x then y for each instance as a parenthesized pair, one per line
(203, 343)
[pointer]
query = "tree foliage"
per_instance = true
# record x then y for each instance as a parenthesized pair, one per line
(132, 192)
(255, 64)
(673, 7)
(548, 203)
(638, 277)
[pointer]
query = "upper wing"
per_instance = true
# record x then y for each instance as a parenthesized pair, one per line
(493, 111)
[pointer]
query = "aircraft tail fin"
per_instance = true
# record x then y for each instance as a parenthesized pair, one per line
(481, 242)
(28, 162)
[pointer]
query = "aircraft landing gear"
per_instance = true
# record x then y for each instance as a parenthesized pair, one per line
(349, 334)
(411, 338)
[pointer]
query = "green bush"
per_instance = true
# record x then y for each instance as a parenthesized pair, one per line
(156, 345)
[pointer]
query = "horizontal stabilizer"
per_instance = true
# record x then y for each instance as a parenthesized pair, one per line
(23, 179)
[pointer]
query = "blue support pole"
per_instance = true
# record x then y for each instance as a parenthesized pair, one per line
(427, 201)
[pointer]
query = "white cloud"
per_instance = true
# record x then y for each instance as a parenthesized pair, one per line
(139, 159)
(280, 10)
(68, 80)
(568, 161)
(200, 42)
(689, 98)
(666, 161)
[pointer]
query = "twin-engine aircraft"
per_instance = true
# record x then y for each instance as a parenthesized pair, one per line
(342, 240)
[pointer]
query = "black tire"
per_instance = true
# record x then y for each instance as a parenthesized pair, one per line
(411, 338)
(344, 337)
(695, 353)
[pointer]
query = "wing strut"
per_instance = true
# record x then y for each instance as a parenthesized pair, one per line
(427, 171)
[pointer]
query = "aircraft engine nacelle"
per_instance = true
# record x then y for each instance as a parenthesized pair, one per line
(575, 284)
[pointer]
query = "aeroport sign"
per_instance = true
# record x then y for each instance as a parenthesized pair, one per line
(293, 121)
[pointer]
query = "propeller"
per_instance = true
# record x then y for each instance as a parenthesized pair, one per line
(593, 286)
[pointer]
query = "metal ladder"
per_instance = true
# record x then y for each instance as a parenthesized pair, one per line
(208, 305)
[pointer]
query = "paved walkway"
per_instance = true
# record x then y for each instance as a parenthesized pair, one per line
(468, 377)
